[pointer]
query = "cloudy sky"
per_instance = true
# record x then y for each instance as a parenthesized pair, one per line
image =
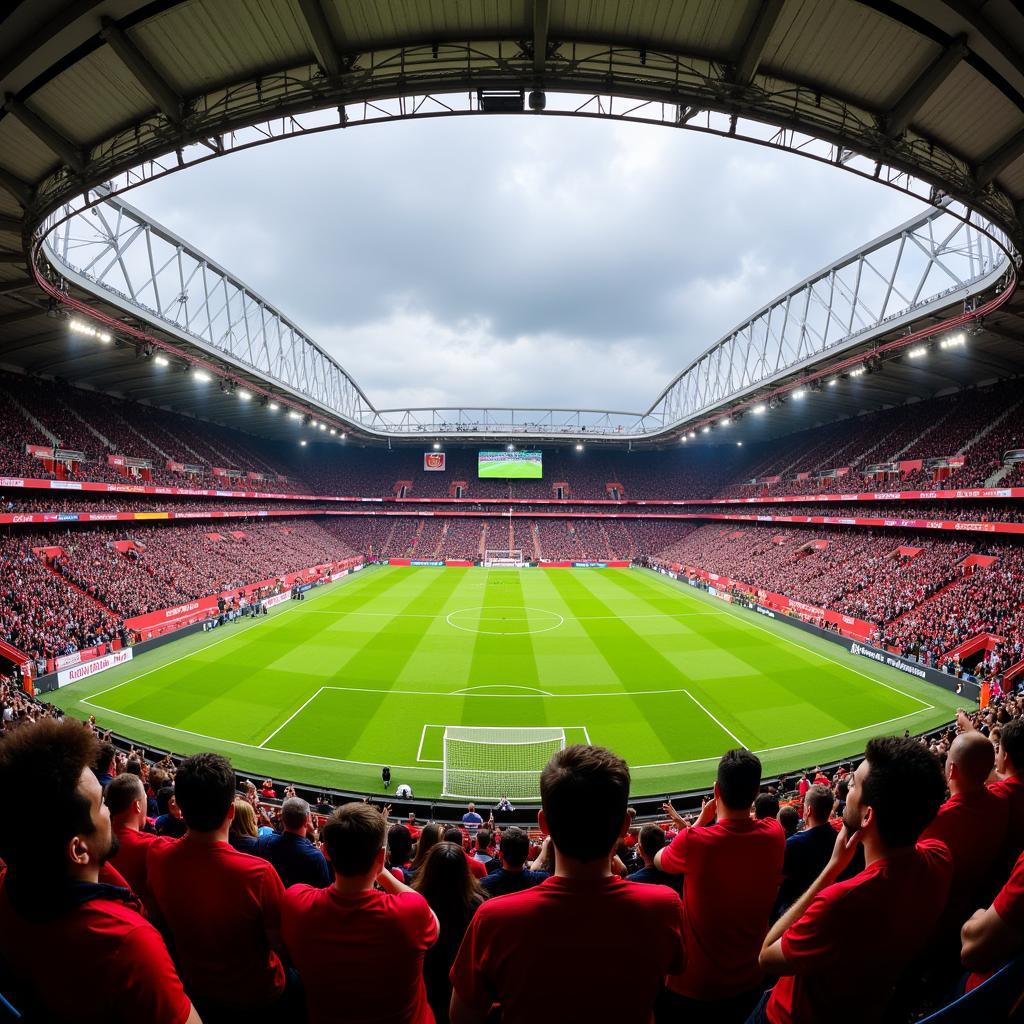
(530, 261)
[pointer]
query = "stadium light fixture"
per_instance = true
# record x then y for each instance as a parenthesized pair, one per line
(87, 330)
(739, 444)
(799, 393)
(918, 352)
(725, 421)
(293, 415)
(243, 394)
(344, 435)
(200, 375)
(314, 424)
(954, 341)
(705, 429)
(323, 426)
(579, 447)
(684, 439)
(858, 372)
(759, 410)
(693, 434)
(511, 447)
(273, 406)
(833, 381)
(437, 446)
(303, 442)
(162, 361)
(333, 431)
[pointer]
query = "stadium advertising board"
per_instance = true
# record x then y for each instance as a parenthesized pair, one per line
(90, 668)
(510, 465)
(434, 462)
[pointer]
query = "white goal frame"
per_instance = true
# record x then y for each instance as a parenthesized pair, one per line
(517, 779)
(503, 556)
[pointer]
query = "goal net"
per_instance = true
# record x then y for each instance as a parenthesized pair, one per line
(494, 557)
(490, 763)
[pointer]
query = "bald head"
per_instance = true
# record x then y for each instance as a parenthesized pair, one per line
(970, 761)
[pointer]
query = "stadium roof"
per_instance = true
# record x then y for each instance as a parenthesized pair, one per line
(926, 96)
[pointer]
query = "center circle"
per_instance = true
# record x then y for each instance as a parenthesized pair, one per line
(504, 620)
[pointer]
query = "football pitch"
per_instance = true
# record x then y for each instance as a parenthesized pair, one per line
(370, 670)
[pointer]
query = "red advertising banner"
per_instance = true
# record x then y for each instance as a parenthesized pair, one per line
(434, 462)
(39, 449)
(115, 460)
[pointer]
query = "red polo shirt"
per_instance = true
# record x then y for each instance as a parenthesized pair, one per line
(857, 936)
(132, 854)
(733, 871)
(100, 962)
(1009, 905)
(222, 907)
(1011, 789)
(361, 953)
(571, 951)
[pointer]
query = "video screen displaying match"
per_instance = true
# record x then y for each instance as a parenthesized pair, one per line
(510, 466)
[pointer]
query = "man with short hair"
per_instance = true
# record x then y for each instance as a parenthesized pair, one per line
(453, 834)
(169, 821)
(399, 849)
(512, 876)
(412, 827)
(873, 925)
(731, 867)
(294, 857)
(650, 842)
(359, 950)
(483, 843)
(584, 944)
(125, 797)
(1010, 765)
(808, 851)
(106, 763)
(72, 947)
(222, 907)
(471, 819)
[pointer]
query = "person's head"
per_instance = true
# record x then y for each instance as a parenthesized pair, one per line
(766, 805)
(739, 779)
(651, 840)
(447, 884)
(106, 759)
(471, 808)
(412, 818)
(399, 845)
(453, 835)
(818, 805)
(969, 762)
(483, 840)
(354, 837)
(133, 766)
(204, 788)
(165, 802)
(583, 793)
(295, 815)
(430, 835)
(125, 797)
(48, 765)
(896, 791)
(515, 847)
(244, 821)
(1010, 759)
(789, 819)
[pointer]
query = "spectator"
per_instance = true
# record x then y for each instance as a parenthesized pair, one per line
(448, 886)
(584, 944)
(430, 836)
(993, 936)
(359, 951)
(766, 805)
(652, 840)
(169, 821)
(294, 857)
(399, 850)
(512, 876)
(731, 866)
(454, 835)
(103, 961)
(125, 798)
(1010, 767)
(471, 819)
(789, 819)
(106, 763)
(483, 845)
(882, 917)
(412, 828)
(242, 834)
(808, 851)
(221, 907)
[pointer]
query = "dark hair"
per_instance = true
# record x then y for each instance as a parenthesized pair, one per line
(583, 791)
(904, 787)
(453, 834)
(353, 836)
(41, 765)
(515, 846)
(448, 886)
(820, 801)
(651, 840)
(122, 792)
(105, 753)
(789, 819)
(739, 778)
(163, 799)
(204, 788)
(766, 805)
(483, 839)
(133, 766)
(1011, 742)
(430, 835)
(399, 844)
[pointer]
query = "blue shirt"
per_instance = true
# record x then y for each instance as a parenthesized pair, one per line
(502, 881)
(652, 876)
(807, 853)
(472, 819)
(295, 859)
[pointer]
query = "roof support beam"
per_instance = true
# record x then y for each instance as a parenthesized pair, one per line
(46, 133)
(999, 159)
(10, 224)
(541, 20)
(18, 188)
(903, 111)
(325, 49)
(749, 58)
(160, 92)
(6, 287)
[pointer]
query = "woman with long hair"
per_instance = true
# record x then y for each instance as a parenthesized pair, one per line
(430, 836)
(242, 834)
(447, 884)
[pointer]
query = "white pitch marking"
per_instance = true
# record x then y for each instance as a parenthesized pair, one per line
(301, 707)
(715, 720)
(467, 690)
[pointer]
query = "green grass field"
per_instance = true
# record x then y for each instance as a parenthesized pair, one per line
(510, 469)
(371, 669)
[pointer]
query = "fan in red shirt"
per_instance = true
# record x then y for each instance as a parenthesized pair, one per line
(410, 824)
(732, 869)
(454, 835)
(582, 945)
(74, 947)
(993, 936)
(351, 942)
(1010, 765)
(870, 927)
(125, 797)
(221, 907)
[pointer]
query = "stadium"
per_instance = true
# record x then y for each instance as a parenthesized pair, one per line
(779, 599)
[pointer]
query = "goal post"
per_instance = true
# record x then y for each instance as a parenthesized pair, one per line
(488, 763)
(509, 557)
